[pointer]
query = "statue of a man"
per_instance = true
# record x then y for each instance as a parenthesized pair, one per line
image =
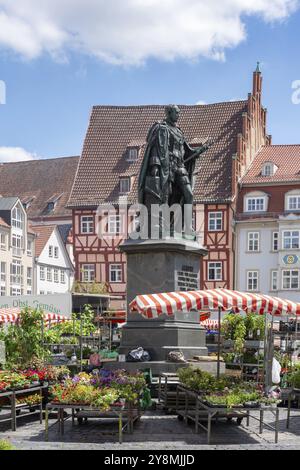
(166, 175)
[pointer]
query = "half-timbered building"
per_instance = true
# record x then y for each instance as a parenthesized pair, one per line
(108, 173)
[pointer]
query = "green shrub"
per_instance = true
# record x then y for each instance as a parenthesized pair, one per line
(5, 445)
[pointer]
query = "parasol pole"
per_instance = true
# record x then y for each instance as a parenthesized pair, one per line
(219, 342)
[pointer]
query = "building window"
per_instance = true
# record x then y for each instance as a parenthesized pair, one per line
(215, 221)
(252, 281)
(56, 252)
(115, 273)
(56, 276)
(88, 273)
(124, 185)
(87, 224)
(42, 273)
(17, 245)
(29, 247)
(62, 277)
(3, 242)
(274, 280)
(16, 273)
(3, 272)
(291, 239)
(50, 251)
(42, 292)
(293, 203)
(269, 169)
(256, 204)
(275, 241)
(132, 155)
(15, 291)
(17, 218)
(29, 281)
(49, 274)
(215, 271)
(253, 241)
(290, 279)
(2, 278)
(29, 276)
(115, 224)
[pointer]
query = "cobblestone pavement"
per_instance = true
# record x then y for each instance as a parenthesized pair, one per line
(156, 430)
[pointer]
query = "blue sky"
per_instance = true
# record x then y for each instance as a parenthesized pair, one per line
(49, 96)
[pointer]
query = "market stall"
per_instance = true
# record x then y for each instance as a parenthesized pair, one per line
(221, 300)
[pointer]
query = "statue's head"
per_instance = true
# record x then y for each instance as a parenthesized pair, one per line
(172, 113)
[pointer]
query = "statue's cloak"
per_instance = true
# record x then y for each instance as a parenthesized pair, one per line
(158, 138)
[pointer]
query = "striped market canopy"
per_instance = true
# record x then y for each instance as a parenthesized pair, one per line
(154, 305)
(11, 315)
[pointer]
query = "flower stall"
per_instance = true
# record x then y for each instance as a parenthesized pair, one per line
(221, 300)
(23, 392)
(101, 394)
(203, 397)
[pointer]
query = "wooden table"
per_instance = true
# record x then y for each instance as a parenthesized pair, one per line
(14, 407)
(197, 410)
(81, 411)
(294, 394)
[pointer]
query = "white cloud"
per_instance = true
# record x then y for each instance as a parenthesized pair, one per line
(129, 32)
(201, 102)
(15, 154)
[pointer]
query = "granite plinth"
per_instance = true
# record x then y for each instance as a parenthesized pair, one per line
(160, 367)
(156, 266)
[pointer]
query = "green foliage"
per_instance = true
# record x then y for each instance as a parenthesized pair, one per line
(201, 381)
(295, 379)
(89, 288)
(81, 324)
(23, 341)
(237, 328)
(5, 445)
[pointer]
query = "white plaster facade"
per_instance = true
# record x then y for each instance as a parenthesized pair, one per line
(54, 269)
(16, 250)
(268, 256)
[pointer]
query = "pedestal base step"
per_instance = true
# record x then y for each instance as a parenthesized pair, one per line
(160, 367)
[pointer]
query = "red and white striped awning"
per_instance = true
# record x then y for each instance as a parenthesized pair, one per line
(12, 315)
(154, 305)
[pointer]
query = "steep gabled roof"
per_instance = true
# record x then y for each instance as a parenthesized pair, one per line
(7, 203)
(43, 233)
(112, 130)
(285, 157)
(37, 182)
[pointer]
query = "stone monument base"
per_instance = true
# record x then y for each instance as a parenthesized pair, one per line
(159, 367)
(157, 266)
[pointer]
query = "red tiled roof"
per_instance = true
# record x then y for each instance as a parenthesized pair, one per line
(3, 223)
(113, 129)
(43, 233)
(285, 157)
(38, 182)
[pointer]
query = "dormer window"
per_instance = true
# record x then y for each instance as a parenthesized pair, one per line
(27, 203)
(51, 203)
(132, 154)
(269, 169)
(124, 185)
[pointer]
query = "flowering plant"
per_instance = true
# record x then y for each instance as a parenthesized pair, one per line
(13, 381)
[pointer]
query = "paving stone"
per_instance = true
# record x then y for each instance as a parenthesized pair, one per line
(155, 431)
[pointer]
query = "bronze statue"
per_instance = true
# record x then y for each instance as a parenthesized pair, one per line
(166, 175)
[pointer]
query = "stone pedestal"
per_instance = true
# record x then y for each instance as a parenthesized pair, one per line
(155, 266)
